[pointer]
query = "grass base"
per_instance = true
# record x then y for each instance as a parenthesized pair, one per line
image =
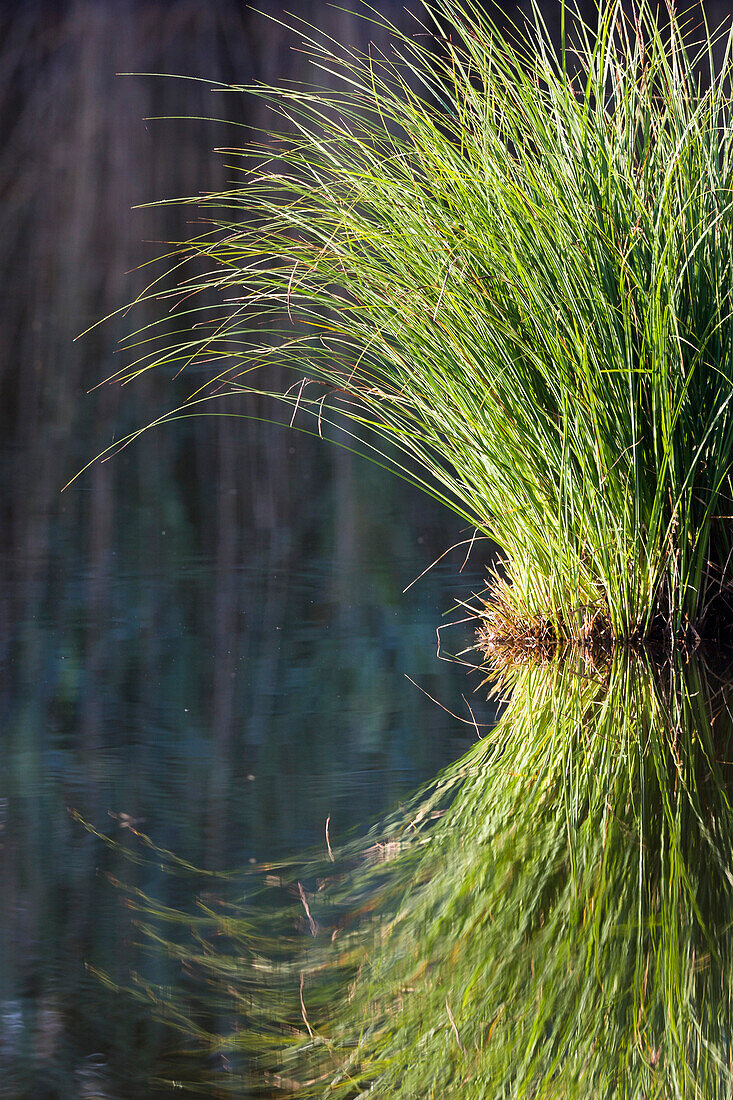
(506, 636)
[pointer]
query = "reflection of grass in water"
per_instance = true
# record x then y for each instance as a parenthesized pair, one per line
(551, 919)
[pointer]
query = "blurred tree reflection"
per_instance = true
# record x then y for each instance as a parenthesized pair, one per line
(219, 601)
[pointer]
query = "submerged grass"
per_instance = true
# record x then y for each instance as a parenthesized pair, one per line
(550, 918)
(511, 267)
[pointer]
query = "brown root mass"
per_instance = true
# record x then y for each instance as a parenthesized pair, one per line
(505, 636)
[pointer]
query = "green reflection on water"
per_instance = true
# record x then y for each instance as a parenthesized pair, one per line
(551, 918)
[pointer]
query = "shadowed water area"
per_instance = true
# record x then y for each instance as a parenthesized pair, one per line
(204, 645)
(205, 637)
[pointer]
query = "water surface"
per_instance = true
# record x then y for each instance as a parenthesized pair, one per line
(224, 688)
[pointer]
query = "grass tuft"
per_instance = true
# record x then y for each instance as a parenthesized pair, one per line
(510, 269)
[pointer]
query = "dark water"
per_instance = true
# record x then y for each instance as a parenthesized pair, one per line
(225, 709)
(205, 638)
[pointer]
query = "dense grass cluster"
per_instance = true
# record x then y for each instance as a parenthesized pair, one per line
(510, 265)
